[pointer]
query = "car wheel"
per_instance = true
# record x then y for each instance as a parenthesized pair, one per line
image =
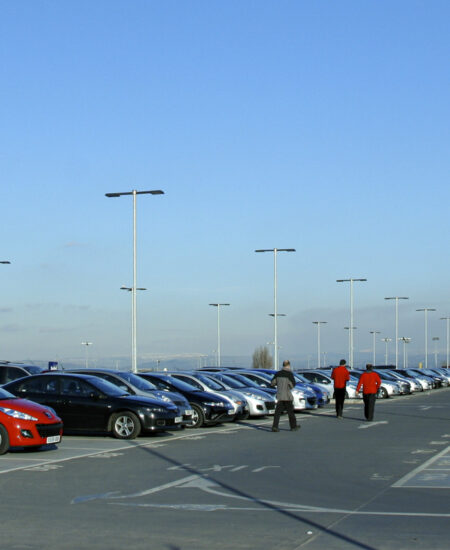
(382, 393)
(198, 417)
(4, 440)
(125, 425)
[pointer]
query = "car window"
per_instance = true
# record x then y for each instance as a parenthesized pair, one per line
(74, 387)
(190, 381)
(40, 385)
(13, 373)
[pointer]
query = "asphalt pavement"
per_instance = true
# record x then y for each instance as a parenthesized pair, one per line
(334, 484)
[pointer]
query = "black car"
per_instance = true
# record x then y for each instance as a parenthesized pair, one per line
(209, 409)
(135, 385)
(90, 404)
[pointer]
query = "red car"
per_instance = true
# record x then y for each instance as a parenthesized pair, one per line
(24, 423)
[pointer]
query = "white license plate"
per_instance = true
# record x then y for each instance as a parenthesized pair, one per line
(178, 419)
(231, 411)
(54, 439)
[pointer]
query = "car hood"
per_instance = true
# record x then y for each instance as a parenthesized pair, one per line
(29, 407)
(148, 402)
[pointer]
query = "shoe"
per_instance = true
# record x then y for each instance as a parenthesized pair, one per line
(295, 429)
(340, 417)
(275, 430)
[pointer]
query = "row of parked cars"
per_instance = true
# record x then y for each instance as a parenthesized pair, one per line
(36, 406)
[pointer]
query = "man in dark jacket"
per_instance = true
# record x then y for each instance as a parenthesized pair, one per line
(284, 381)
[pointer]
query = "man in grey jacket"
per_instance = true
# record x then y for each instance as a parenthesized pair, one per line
(284, 381)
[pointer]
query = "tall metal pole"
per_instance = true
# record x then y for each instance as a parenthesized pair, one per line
(318, 323)
(447, 319)
(426, 310)
(87, 344)
(386, 341)
(374, 334)
(218, 331)
(275, 316)
(351, 346)
(435, 340)
(133, 288)
(396, 298)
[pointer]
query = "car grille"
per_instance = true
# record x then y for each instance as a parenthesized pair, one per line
(48, 430)
(312, 400)
(270, 405)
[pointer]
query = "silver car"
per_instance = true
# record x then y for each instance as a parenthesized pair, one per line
(259, 402)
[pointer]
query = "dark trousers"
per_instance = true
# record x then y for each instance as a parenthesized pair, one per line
(280, 408)
(369, 405)
(339, 397)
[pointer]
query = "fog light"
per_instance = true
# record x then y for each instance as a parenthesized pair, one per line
(26, 433)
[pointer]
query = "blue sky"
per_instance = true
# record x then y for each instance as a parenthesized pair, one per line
(321, 126)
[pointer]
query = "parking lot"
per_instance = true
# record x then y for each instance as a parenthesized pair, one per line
(335, 484)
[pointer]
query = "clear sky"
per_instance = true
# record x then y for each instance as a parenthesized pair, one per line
(316, 125)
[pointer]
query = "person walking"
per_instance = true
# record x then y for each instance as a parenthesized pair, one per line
(284, 381)
(370, 382)
(341, 376)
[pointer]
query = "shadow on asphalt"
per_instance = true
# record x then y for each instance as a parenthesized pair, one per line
(296, 517)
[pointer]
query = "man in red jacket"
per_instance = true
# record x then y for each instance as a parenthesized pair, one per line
(341, 376)
(370, 382)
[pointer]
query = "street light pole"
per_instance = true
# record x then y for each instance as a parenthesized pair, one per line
(435, 340)
(350, 330)
(134, 193)
(396, 298)
(275, 324)
(386, 341)
(426, 310)
(218, 306)
(87, 344)
(351, 280)
(318, 323)
(374, 334)
(447, 319)
(133, 322)
(405, 341)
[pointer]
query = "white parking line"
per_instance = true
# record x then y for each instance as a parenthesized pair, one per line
(432, 474)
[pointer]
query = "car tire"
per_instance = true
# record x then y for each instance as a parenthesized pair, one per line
(125, 425)
(198, 416)
(4, 440)
(382, 393)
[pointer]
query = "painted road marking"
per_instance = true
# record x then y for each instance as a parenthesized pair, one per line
(227, 499)
(432, 474)
(372, 424)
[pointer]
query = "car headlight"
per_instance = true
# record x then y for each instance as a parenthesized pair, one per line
(156, 410)
(17, 414)
(253, 396)
(217, 404)
(299, 394)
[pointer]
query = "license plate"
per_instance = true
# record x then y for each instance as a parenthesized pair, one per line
(53, 439)
(231, 411)
(188, 412)
(178, 419)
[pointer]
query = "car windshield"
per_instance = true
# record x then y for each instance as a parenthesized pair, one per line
(32, 369)
(140, 383)
(6, 395)
(180, 384)
(245, 381)
(232, 382)
(106, 387)
(213, 384)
